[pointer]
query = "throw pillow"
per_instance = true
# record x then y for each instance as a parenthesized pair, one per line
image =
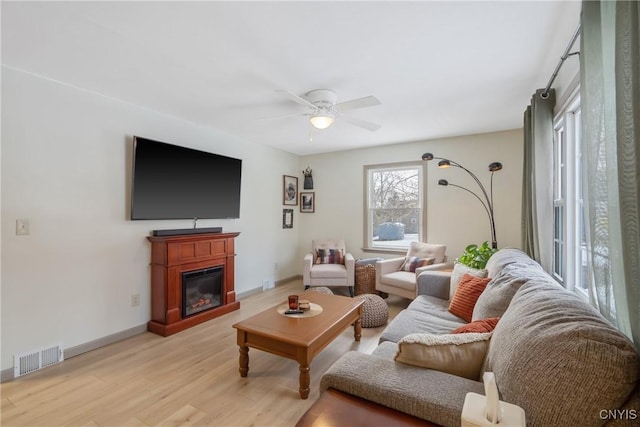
(329, 256)
(482, 325)
(496, 297)
(427, 250)
(412, 262)
(466, 295)
(460, 270)
(461, 355)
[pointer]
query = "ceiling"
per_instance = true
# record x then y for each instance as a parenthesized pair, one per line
(439, 68)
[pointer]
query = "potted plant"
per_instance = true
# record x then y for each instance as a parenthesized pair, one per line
(475, 256)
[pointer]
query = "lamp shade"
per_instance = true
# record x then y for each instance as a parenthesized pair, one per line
(444, 163)
(443, 182)
(495, 166)
(322, 119)
(427, 156)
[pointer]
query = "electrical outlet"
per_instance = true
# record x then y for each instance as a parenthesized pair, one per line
(135, 300)
(22, 227)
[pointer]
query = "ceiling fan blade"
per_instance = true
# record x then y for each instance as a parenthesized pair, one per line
(367, 101)
(361, 123)
(284, 116)
(295, 98)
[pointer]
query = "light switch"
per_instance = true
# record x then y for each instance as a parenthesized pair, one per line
(22, 227)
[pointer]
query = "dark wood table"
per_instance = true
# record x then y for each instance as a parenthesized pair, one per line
(335, 408)
(300, 339)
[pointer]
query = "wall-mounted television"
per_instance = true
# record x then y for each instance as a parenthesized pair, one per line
(174, 182)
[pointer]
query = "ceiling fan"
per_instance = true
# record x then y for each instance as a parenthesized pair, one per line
(324, 110)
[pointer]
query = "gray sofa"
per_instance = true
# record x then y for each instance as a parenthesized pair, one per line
(551, 352)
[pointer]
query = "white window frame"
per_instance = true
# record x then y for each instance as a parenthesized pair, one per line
(369, 244)
(560, 225)
(567, 170)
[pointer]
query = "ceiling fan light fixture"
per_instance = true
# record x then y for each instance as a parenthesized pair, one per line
(322, 119)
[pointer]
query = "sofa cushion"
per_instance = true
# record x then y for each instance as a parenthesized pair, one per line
(498, 294)
(434, 307)
(556, 357)
(480, 326)
(432, 395)
(427, 250)
(401, 279)
(460, 354)
(329, 271)
(504, 257)
(424, 314)
(460, 270)
(412, 262)
(466, 295)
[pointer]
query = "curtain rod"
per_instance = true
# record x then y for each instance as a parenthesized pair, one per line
(563, 58)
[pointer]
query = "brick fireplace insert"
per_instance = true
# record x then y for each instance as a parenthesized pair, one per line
(179, 261)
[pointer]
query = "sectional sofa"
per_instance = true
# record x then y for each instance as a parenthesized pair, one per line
(551, 353)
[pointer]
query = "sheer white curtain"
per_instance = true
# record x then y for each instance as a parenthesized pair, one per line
(610, 92)
(537, 182)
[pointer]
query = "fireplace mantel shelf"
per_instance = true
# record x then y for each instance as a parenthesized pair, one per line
(176, 254)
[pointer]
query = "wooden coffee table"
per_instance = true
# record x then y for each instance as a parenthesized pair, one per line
(302, 338)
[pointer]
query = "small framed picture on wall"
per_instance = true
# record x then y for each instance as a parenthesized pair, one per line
(307, 201)
(287, 218)
(289, 190)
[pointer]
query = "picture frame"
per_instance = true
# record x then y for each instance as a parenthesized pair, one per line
(287, 218)
(307, 201)
(289, 190)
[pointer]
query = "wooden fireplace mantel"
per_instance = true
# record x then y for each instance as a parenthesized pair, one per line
(173, 255)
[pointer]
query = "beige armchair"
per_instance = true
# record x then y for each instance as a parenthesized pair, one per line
(393, 279)
(328, 264)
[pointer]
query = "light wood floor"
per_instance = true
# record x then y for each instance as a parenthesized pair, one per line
(190, 378)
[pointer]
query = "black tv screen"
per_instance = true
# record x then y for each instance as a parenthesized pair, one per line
(173, 182)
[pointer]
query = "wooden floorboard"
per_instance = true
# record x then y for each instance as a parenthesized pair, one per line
(187, 379)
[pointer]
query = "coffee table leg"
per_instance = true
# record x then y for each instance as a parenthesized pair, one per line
(305, 380)
(244, 361)
(357, 329)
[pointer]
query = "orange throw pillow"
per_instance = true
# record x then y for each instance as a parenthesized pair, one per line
(466, 295)
(480, 326)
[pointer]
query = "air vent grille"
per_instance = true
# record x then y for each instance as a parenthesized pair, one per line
(25, 363)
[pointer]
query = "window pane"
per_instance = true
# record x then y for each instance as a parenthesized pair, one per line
(395, 206)
(558, 246)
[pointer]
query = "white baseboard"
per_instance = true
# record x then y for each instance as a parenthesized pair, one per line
(7, 374)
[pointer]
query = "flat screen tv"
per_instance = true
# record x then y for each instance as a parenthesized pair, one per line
(173, 182)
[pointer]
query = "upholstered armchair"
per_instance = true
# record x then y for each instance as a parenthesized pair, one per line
(328, 264)
(401, 276)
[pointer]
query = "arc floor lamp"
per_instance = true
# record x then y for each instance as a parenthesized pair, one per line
(487, 202)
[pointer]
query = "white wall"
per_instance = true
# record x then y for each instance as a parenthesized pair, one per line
(454, 217)
(66, 161)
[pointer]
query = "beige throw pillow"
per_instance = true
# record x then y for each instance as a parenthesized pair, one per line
(460, 354)
(460, 270)
(427, 250)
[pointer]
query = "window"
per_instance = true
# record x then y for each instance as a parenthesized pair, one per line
(394, 205)
(571, 255)
(559, 201)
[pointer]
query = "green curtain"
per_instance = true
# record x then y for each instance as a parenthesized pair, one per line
(610, 98)
(537, 180)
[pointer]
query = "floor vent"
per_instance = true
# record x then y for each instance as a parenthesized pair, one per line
(34, 360)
